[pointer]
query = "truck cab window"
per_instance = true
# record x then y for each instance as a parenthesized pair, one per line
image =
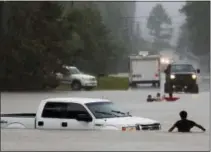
(54, 110)
(73, 109)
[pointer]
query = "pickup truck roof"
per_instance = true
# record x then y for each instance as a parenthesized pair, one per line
(76, 100)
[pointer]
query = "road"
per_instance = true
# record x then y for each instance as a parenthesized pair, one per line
(129, 100)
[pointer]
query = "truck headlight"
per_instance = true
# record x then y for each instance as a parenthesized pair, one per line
(129, 128)
(172, 76)
(162, 60)
(194, 76)
(165, 61)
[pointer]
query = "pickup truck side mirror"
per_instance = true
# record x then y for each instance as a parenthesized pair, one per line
(198, 70)
(84, 117)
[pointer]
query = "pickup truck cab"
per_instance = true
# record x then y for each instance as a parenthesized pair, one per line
(78, 114)
(77, 79)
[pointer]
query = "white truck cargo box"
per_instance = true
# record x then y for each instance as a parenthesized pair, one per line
(144, 69)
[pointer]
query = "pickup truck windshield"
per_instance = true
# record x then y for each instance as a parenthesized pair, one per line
(182, 68)
(105, 110)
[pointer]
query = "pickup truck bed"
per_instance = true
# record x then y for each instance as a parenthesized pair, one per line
(18, 120)
(25, 115)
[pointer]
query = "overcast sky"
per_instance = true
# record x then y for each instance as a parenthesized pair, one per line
(172, 8)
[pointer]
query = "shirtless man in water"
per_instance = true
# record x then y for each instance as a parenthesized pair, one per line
(185, 125)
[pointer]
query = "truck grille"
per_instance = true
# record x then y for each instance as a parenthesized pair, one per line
(183, 77)
(155, 126)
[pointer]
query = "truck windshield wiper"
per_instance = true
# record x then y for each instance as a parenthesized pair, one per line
(118, 112)
(123, 113)
(106, 113)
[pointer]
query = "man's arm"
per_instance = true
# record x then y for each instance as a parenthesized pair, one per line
(173, 127)
(200, 127)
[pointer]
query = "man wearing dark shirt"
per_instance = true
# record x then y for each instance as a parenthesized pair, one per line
(185, 125)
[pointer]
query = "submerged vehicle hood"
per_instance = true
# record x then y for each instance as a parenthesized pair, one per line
(126, 121)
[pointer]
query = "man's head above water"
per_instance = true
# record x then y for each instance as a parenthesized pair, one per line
(183, 114)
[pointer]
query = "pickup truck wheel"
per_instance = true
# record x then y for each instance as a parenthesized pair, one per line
(158, 84)
(76, 85)
(153, 84)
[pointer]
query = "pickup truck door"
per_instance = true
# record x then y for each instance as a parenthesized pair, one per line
(67, 78)
(51, 117)
(48, 123)
(70, 122)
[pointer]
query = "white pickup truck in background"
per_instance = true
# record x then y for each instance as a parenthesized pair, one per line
(78, 114)
(77, 79)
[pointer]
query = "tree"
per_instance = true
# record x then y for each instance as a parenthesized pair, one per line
(138, 41)
(183, 43)
(34, 45)
(41, 38)
(160, 27)
(96, 43)
(118, 18)
(198, 24)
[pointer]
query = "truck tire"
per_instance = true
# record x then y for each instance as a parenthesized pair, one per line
(158, 84)
(76, 85)
(154, 84)
(195, 89)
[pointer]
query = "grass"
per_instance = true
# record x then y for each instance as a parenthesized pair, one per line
(105, 83)
(112, 83)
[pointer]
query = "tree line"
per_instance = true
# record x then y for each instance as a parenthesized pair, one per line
(195, 32)
(38, 38)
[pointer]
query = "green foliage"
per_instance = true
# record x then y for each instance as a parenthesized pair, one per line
(161, 35)
(41, 39)
(113, 83)
(118, 17)
(96, 44)
(32, 42)
(138, 41)
(198, 25)
(183, 43)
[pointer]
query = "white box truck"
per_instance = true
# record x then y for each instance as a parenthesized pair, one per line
(144, 70)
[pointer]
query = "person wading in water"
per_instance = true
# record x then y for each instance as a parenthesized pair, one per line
(185, 125)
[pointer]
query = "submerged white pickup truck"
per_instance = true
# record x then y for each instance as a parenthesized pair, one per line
(78, 114)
